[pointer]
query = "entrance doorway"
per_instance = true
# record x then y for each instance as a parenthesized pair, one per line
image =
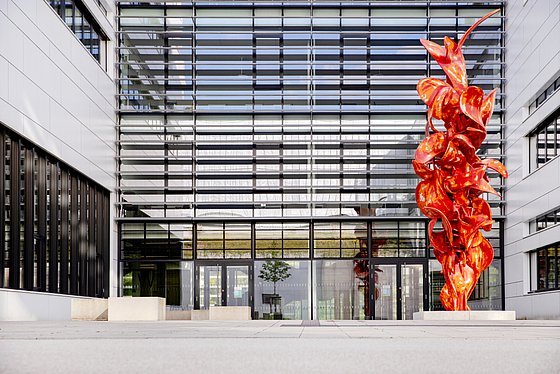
(401, 288)
(223, 284)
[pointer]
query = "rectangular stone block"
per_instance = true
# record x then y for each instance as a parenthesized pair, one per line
(492, 315)
(19, 305)
(231, 313)
(177, 315)
(441, 316)
(90, 309)
(200, 315)
(477, 315)
(136, 309)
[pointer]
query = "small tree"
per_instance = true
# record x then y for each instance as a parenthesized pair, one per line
(275, 271)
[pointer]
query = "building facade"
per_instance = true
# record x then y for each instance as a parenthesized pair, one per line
(252, 132)
(532, 232)
(57, 121)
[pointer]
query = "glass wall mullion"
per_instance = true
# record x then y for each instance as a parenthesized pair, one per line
(41, 236)
(74, 240)
(54, 218)
(91, 251)
(83, 239)
(28, 222)
(65, 232)
(3, 246)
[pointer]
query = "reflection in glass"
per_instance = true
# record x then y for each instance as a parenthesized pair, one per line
(487, 294)
(210, 286)
(437, 281)
(294, 291)
(398, 239)
(338, 292)
(339, 239)
(223, 240)
(282, 240)
(385, 278)
(301, 113)
(170, 280)
(412, 289)
(237, 285)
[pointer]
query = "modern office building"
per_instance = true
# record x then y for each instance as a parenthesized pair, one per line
(252, 134)
(57, 126)
(532, 143)
(256, 131)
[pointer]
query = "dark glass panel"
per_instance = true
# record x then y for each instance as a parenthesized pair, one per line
(170, 280)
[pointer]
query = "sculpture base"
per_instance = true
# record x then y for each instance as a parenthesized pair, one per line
(472, 315)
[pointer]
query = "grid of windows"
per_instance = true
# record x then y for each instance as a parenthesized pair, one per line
(54, 235)
(285, 130)
(242, 110)
(79, 20)
(282, 240)
(293, 239)
(544, 95)
(544, 142)
(544, 268)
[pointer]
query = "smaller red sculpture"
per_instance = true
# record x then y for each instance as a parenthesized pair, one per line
(453, 176)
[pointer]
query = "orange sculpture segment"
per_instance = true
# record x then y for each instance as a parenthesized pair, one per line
(453, 176)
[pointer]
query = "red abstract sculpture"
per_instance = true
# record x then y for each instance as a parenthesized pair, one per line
(453, 175)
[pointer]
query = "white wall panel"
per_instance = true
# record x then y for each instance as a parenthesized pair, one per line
(533, 61)
(53, 91)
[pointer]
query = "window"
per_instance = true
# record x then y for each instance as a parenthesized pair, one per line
(55, 231)
(544, 268)
(82, 23)
(543, 221)
(544, 142)
(223, 240)
(545, 94)
(282, 240)
(339, 239)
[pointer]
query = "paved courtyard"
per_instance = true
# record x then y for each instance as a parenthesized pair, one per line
(280, 347)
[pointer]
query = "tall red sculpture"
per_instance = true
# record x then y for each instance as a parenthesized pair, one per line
(453, 176)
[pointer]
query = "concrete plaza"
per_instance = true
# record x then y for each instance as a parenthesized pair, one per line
(280, 347)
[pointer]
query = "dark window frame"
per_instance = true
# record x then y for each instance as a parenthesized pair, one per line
(41, 244)
(93, 45)
(539, 139)
(540, 280)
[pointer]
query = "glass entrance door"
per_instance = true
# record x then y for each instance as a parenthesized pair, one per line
(219, 284)
(237, 285)
(412, 295)
(210, 286)
(400, 288)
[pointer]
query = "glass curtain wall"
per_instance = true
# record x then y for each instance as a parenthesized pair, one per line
(54, 234)
(268, 126)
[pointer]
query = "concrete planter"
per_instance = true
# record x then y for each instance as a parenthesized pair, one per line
(472, 315)
(136, 309)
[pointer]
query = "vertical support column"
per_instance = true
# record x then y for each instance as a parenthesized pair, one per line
(75, 232)
(104, 221)
(502, 262)
(83, 248)
(28, 239)
(53, 229)
(253, 240)
(99, 219)
(14, 215)
(91, 254)
(64, 239)
(370, 289)
(42, 223)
